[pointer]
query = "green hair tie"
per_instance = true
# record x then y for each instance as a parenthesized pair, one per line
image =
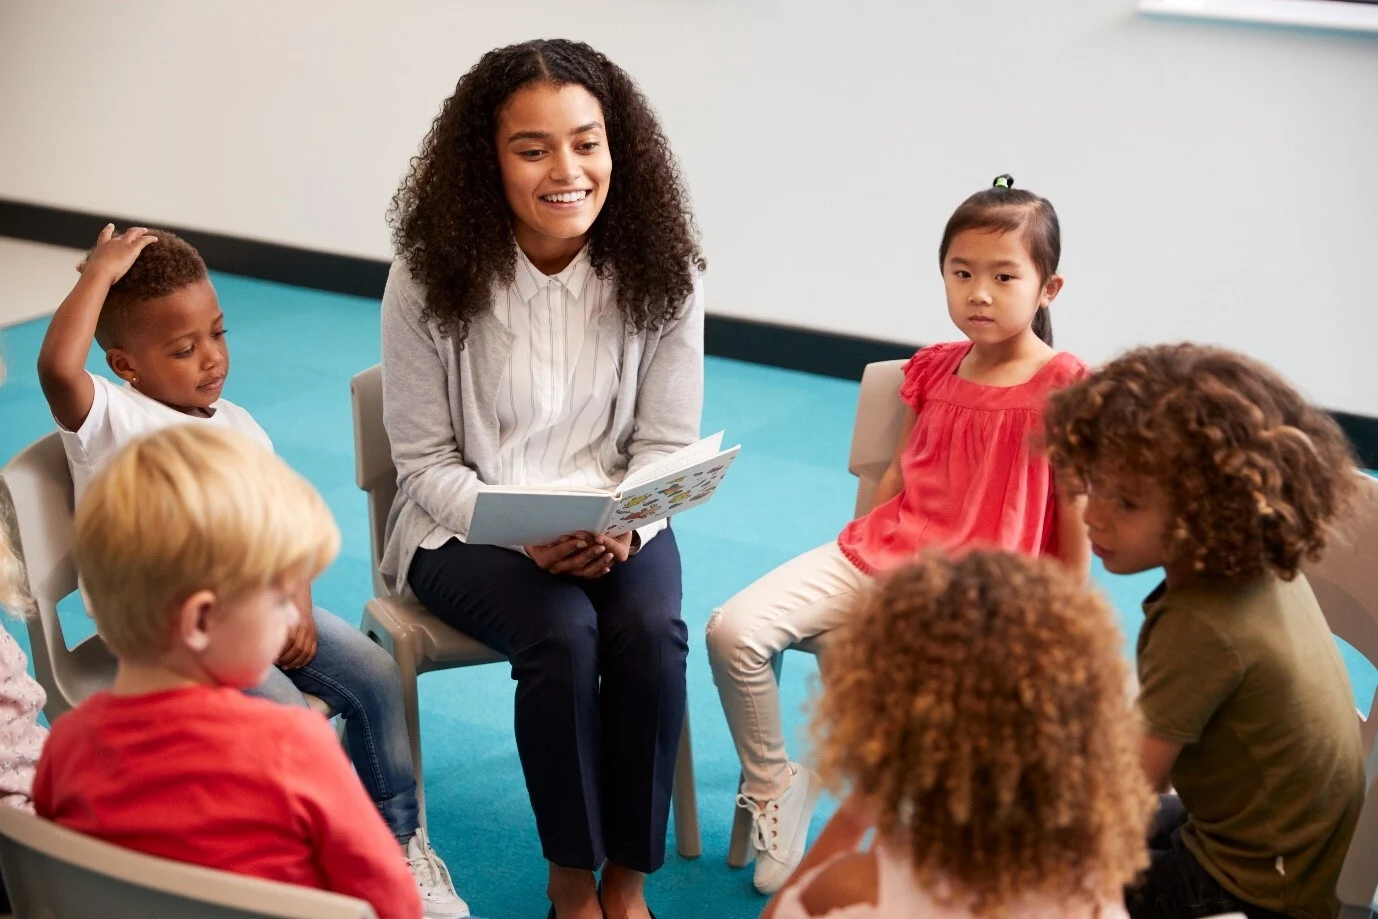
(1004, 181)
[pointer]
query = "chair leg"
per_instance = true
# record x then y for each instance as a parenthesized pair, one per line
(688, 840)
(405, 654)
(739, 851)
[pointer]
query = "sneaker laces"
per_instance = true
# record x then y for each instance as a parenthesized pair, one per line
(763, 822)
(427, 867)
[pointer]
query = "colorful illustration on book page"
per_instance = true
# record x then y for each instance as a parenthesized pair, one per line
(677, 494)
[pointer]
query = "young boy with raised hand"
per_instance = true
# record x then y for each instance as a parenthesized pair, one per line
(193, 544)
(146, 298)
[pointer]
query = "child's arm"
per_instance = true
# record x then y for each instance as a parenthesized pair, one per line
(892, 482)
(62, 358)
(356, 854)
(1073, 541)
(1157, 757)
(843, 833)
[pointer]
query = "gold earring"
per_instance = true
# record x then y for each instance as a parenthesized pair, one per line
(134, 379)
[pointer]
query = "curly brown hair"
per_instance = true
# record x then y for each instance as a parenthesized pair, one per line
(161, 268)
(1253, 474)
(979, 705)
(450, 218)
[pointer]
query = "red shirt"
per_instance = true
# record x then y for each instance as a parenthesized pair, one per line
(212, 777)
(973, 473)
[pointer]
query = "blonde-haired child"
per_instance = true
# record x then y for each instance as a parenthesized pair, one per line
(976, 709)
(21, 699)
(192, 543)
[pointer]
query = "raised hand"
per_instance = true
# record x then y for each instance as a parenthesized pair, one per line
(114, 254)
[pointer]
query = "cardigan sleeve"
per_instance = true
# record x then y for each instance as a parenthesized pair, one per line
(669, 397)
(417, 414)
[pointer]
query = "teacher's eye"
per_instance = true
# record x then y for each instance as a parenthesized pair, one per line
(530, 154)
(589, 146)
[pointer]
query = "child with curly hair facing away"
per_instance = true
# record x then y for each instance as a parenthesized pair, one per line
(966, 473)
(1209, 465)
(977, 711)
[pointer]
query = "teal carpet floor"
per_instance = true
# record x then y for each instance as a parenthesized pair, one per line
(293, 352)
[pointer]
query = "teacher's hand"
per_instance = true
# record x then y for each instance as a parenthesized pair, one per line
(581, 555)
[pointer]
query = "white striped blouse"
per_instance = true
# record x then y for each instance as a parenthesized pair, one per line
(555, 401)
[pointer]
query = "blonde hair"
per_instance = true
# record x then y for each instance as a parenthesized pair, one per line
(12, 596)
(980, 707)
(192, 508)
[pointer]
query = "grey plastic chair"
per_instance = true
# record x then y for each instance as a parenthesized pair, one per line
(418, 640)
(879, 418)
(36, 500)
(36, 497)
(54, 873)
(1345, 582)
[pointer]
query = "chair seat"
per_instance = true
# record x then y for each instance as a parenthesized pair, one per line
(439, 644)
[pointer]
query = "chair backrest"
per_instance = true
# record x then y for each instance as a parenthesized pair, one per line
(1345, 582)
(879, 417)
(55, 873)
(374, 471)
(36, 497)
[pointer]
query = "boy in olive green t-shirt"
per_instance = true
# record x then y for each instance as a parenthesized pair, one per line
(1208, 465)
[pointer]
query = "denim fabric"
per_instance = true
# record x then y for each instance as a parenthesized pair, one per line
(360, 681)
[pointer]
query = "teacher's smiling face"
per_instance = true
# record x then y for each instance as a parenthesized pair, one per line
(556, 168)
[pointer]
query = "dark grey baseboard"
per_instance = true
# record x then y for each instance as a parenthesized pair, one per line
(825, 353)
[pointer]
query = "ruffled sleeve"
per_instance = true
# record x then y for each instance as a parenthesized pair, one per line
(1067, 370)
(918, 371)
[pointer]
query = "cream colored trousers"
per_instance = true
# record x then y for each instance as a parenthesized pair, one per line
(806, 596)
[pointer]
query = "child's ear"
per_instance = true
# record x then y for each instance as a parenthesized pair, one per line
(117, 359)
(193, 620)
(1051, 288)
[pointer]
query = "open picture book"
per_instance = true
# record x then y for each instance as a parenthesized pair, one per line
(538, 515)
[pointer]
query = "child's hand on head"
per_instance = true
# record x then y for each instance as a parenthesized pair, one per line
(113, 254)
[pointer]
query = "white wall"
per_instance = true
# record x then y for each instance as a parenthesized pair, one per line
(1215, 182)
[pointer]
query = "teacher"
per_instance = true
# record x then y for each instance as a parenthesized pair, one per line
(543, 325)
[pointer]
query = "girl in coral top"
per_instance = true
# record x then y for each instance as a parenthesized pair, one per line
(967, 472)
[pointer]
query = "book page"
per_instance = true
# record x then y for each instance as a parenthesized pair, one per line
(682, 458)
(669, 495)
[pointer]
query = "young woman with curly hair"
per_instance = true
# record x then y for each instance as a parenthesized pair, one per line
(543, 325)
(1209, 465)
(976, 710)
(965, 472)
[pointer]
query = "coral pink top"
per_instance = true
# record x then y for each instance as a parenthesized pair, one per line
(973, 473)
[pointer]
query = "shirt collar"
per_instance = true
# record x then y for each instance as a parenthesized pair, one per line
(574, 278)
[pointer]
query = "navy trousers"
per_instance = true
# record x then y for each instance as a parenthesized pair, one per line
(599, 666)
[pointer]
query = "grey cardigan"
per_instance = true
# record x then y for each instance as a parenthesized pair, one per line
(440, 409)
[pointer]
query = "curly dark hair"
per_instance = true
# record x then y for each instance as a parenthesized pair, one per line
(1254, 475)
(161, 268)
(451, 222)
(980, 707)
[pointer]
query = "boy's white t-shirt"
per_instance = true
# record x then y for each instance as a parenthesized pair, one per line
(120, 414)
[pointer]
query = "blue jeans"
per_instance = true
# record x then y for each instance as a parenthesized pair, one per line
(359, 680)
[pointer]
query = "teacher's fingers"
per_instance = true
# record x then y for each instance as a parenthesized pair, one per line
(580, 560)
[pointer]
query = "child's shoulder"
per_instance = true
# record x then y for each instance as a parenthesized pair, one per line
(1063, 369)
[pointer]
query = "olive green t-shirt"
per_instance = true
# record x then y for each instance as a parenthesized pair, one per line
(1245, 675)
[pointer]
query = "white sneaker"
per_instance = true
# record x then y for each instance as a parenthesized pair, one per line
(780, 828)
(433, 880)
